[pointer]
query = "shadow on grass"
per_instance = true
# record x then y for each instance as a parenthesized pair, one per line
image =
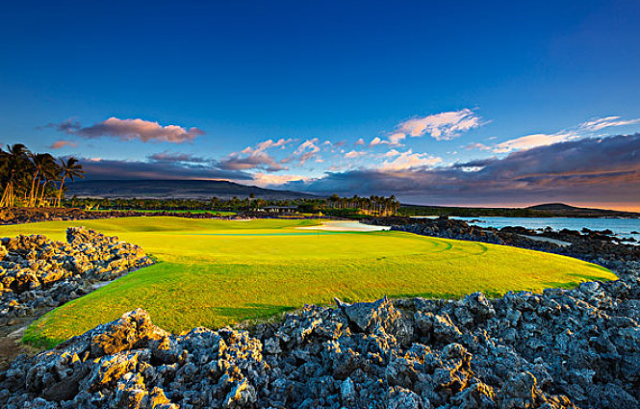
(251, 311)
(254, 314)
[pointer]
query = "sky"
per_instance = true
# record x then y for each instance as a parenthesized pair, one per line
(442, 103)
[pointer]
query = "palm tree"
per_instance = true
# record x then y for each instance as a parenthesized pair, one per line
(14, 163)
(69, 169)
(44, 169)
(51, 172)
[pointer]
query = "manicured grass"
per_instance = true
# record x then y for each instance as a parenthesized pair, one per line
(215, 272)
(212, 212)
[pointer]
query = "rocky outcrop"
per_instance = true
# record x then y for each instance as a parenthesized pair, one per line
(38, 274)
(575, 348)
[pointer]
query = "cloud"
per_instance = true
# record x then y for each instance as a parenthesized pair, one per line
(69, 126)
(442, 126)
(268, 144)
(408, 160)
(354, 154)
(583, 170)
(105, 169)
(396, 138)
(534, 141)
(61, 144)
(360, 142)
(265, 179)
(479, 146)
(259, 160)
(601, 123)
(255, 157)
(377, 141)
(583, 130)
(169, 157)
(130, 129)
(307, 150)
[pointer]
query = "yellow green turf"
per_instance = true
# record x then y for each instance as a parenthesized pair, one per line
(216, 272)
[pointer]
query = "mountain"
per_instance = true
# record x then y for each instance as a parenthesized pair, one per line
(175, 189)
(542, 210)
(561, 209)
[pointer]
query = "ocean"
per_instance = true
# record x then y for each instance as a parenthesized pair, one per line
(622, 228)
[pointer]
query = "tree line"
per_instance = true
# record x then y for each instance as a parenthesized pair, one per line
(372, 205)
(29, 179)
(334, 205)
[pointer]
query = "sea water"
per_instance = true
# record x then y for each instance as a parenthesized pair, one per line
(621, 228)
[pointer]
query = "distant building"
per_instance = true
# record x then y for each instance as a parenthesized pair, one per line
(280, 209)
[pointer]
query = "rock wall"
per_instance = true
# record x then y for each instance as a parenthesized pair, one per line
(560, 349)
(38, 274)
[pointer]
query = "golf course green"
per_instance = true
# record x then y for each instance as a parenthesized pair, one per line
(218, 272)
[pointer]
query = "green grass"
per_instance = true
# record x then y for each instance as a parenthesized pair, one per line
(220, 213)
(215, 272)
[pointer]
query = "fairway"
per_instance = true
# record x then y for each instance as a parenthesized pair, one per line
(217, 272)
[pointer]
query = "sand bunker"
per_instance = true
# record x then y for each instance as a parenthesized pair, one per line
(336, 225)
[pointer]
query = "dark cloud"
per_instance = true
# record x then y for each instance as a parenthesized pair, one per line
(170, 157)
(69, 126)
(129, 129)
(583, 170)
(259, 160)
(128, 170)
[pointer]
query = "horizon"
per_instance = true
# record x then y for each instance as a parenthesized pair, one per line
(635, 209)
(465, 104)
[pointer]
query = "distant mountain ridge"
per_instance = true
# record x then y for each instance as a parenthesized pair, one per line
(175, 189)
(541, 210)
(572, 211)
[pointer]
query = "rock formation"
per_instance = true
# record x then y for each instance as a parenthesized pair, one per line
(575, 348)
(38, 274)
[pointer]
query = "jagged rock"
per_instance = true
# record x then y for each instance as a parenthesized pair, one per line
(444, 329)
(133, 330)
(381, 314)
(348, 394)
(36, 272)
(400, 398)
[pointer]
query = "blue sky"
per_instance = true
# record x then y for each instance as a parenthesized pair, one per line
(197, 90)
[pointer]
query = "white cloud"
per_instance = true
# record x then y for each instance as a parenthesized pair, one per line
(377, 141)
(442, 126)
(266, 179)
(268, 144)
(307, 150)
(601, 123)
(585, 129)
(354, 154)
(396, 138)
(534, 141)
(359, 142)
(408, 160)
